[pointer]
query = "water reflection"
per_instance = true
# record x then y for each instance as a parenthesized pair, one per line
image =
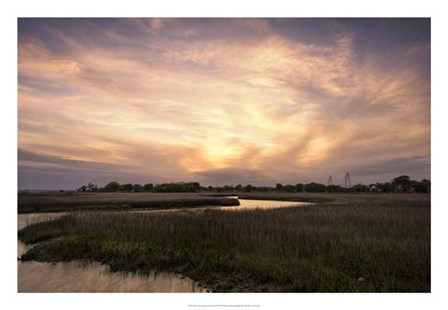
(249, 204)
(245, 204)
(92, 277)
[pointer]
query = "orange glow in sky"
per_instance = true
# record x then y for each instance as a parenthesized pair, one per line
(222, 101)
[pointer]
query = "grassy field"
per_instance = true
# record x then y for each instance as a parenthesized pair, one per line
(357, 243)
(73, 201)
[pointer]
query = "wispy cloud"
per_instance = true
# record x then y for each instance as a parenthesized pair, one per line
(219, 100)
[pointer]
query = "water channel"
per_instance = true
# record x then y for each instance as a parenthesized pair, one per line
(77, 276)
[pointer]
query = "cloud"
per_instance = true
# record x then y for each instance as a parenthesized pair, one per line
(32, 160)
(185, 98)
(139, 167)
(231, 175)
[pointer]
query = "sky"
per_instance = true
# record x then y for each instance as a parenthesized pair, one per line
(222, 101)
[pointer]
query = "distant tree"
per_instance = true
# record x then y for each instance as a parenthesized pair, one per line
(137, 188)
(161, 188)
(112, 187)
(374, 187)
(315, 188)
(148, 187)
(334, 188)
(126, 187)
(387, 187)
(248, 188)
(195, 186)
(402, 183)
(299, 187)
(420, 187)
(360, 188)
(239, 187)
(179, 187)
(289, 188)
(427, 184)
(82, 188)
(227, 188)
(347, 189)
(92, 187)
(279, 187)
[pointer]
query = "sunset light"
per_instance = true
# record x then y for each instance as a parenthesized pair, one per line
(215, 100)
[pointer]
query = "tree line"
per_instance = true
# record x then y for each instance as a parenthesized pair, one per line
(178, 187)
(399, 184)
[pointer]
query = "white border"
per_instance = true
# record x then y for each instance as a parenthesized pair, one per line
(229, 8)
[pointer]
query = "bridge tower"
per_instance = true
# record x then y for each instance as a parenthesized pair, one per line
(348, 183)
(330, 180)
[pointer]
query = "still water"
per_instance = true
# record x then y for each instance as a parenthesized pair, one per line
(249, 204)
(245, 204)
(93, 277)
(77, 276)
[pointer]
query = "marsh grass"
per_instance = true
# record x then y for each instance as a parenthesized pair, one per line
(369, 247)
(286, 197)
(31, 203)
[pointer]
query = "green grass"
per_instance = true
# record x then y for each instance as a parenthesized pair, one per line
(43, 204)
(318, 248)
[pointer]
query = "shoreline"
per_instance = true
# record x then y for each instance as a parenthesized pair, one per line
(98, 201)
(319, 248)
